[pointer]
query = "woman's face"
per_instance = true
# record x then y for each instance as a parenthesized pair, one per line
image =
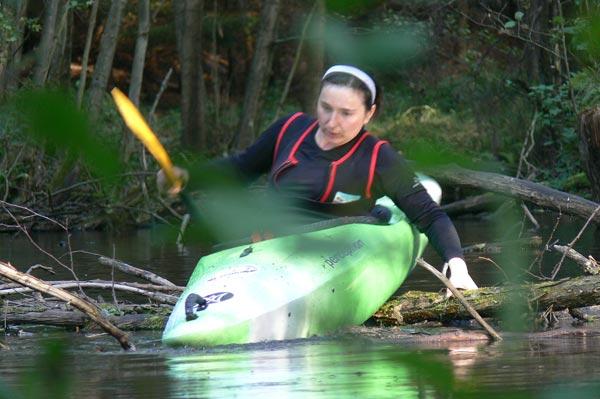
(341, 113)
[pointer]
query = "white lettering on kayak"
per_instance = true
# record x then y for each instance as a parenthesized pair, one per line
(350, 250)
(234, 271)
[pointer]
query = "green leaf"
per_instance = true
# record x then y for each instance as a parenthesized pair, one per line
(510, 24)
(519, 15)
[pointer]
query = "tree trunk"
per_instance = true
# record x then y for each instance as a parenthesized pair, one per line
(47, 42)
(139, 56)
(258, 76)
(108, 45)
(86, 52)
(137, 69)
(313, 66)
(10, 52)
(214, 70)
(523, 189)
(60, 61)
(538, 62)
(589, 147)
(193, 89)
(417, 306)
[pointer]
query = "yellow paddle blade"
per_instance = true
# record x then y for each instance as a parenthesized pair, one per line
(138, 126)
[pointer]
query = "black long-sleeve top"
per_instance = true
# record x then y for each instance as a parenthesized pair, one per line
(393, 177)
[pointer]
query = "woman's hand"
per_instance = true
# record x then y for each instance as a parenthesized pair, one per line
(164, 185)
(459, 275)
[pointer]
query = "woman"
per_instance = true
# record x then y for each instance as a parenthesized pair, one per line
(332, 165)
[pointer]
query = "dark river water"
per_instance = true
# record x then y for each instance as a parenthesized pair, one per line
(351, 363)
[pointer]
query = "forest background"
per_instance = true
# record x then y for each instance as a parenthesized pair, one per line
(499, 85)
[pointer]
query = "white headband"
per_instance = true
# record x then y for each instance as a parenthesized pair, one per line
(357, 73)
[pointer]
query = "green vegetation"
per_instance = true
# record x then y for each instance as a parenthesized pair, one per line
(470, 85)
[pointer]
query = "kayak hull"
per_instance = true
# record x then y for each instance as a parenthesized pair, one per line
(294, 286)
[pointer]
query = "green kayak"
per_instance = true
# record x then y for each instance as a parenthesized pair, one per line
(296, 286)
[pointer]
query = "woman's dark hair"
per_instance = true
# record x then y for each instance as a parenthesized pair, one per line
(348, 80)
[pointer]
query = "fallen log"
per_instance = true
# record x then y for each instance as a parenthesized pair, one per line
(589, 265)
(417, 306)
(410, 308)
(498, 247)
(475, 204)
(459, 297)
(9, 272)
(132, 317)
(525, 190)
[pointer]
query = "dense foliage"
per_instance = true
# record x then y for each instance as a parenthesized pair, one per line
(493, 81)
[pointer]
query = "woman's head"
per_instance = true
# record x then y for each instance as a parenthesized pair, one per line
(347, 101)
(357, 79)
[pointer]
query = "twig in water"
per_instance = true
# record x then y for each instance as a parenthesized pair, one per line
(112, 280)
(496, 265)
(124, 267)
(182, 228)
(493, 334)
(126, 287)
(24, 231)
(538, 259)
(38, 266)
(570, 245)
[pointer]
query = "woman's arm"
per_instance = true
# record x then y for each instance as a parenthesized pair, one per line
(400, 183)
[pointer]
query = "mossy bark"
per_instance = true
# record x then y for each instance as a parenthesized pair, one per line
(417, 306)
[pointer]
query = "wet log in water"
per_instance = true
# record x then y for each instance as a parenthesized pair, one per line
(125, 317)
(523, 189)
(417, 306)
(410, 308)
(9, 272)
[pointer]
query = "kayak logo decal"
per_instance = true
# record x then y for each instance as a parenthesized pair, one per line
(350, 250)
(195, 303)
(218, 297)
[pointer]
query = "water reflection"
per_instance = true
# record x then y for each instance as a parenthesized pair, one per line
(318, 369)
(346, 366)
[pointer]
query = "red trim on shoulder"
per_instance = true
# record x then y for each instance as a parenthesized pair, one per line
(335, 164)
(282, 132)
(373, 166)
(292, 156)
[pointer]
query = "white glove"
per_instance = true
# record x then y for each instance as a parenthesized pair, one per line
(459, 275)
